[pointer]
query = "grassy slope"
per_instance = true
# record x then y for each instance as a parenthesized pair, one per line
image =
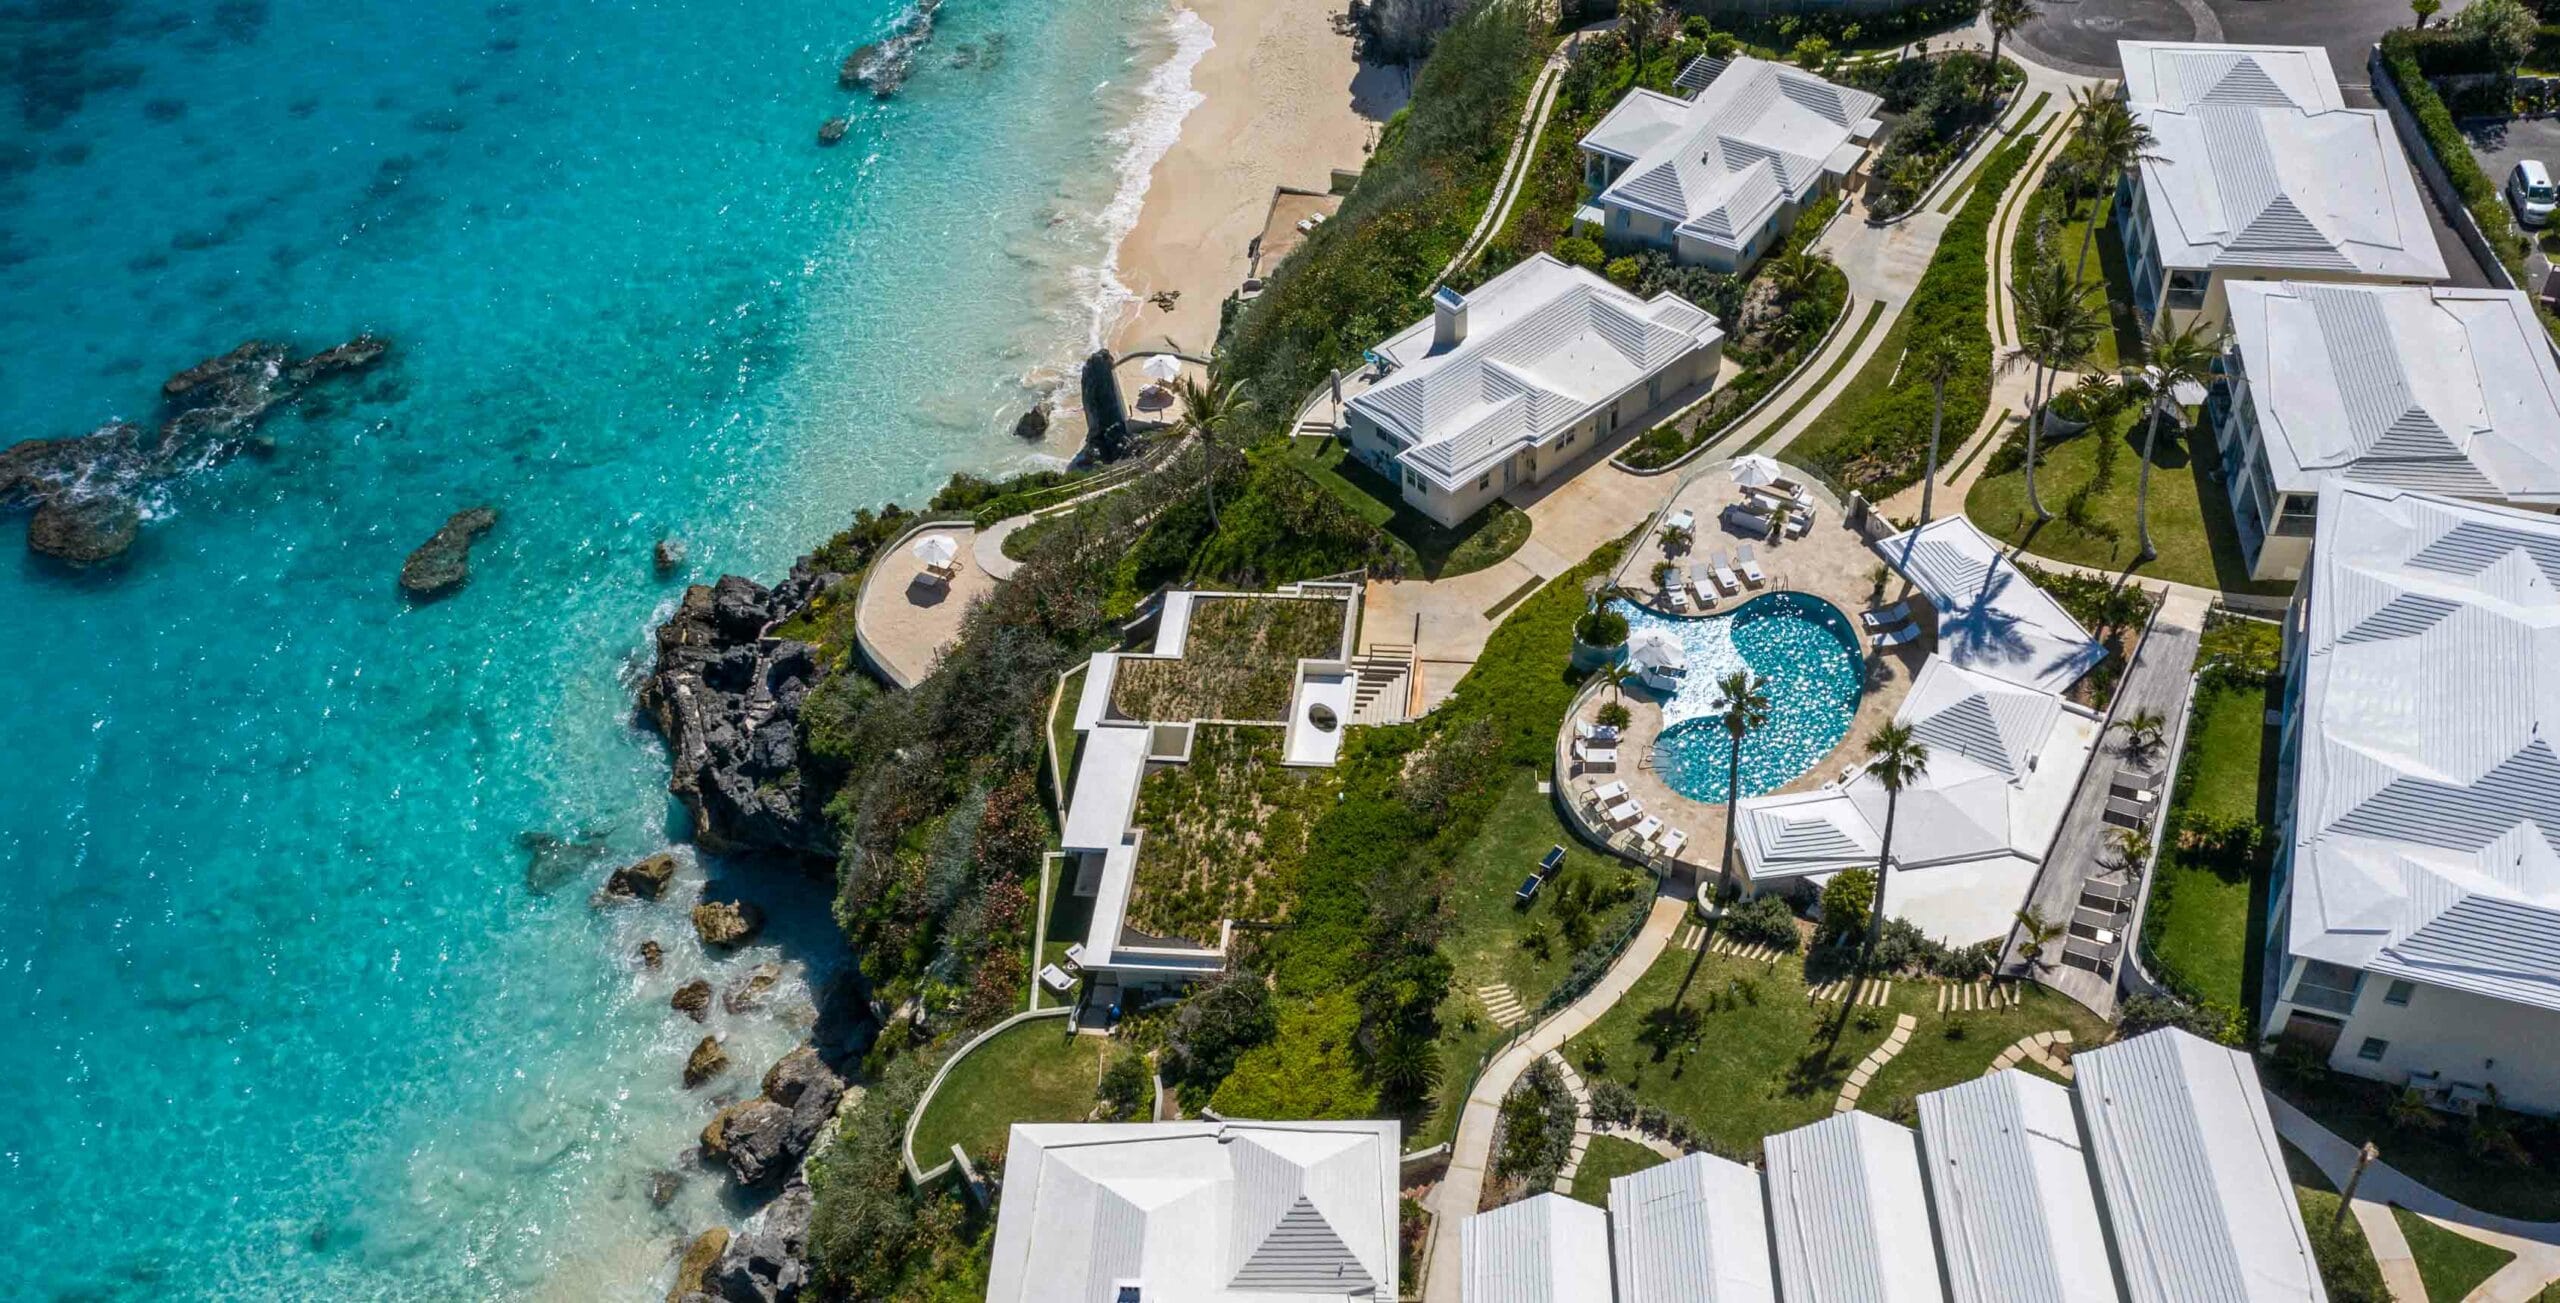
(1427, 547)
(2346, 1261)
(1029, 1073)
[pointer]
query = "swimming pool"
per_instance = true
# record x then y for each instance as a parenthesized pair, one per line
(1805, 650)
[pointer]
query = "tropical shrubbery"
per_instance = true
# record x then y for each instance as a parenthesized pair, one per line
(1536, 1130)
(1875, 442)
(1941, 101)
(1763, 921)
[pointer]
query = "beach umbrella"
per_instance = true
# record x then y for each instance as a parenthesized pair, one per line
(1655, 650)
(1755, 470)
(937, 549)
(1162, 366)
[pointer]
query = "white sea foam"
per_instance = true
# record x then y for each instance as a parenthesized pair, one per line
(1164, 101)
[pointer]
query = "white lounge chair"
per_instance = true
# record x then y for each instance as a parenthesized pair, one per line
(1725, 580)
(1609, 793)
(1800, 522)
(1704, 586)
(1792, 487)
(1075, 958)
(1651, 825)
(1897, 637)
(1673, 842)
(1676, 593)
(1750, 567)
(1624, 812)
(1681, 519)
(1595, 757)
(1898, 613)
(1056, 979)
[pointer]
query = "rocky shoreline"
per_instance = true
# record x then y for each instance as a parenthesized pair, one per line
(727, 700)
(87, 491)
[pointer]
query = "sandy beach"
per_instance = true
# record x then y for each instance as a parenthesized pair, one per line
(1284, 103)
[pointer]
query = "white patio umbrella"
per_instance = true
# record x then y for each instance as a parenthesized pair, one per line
(1654, 651)
(1755, 470)
(937, 550)
(1162, 366)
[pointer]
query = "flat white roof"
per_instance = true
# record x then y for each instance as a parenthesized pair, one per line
(2427, 792)
(1273, 1212)
(1093, 700)
(1332, 689)
(2417, 387)
(1991, 618)
(1545, 344)
(2017, 1216)
(2257, 165)
(1693, 1230)
(2196, 1193)
(1717, 167)
(1547, 1249)
(1848, 1214)
(1106, 787)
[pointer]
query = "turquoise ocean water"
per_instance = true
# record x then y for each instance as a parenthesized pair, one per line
(287, 1020)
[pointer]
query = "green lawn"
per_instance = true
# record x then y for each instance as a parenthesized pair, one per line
(2346, 1262)
(1427, 547)
(1486, 925)
(1935, 1059)
(2452, 1265)
(2109, 283)
(1031, 1072)
(1606, 1159)
(2197, 926)
(2190, 518)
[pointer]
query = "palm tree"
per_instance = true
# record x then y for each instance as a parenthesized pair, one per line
(2178, 357)
(1617, 674)
(2425, 9)
(1676, 538)
(2144, 731)
(1794, 273)
(2004, 16)
(1744, 701)
(1208, 409)
(1936, 362)
(1635, 16)
(2056, 330)
(2034, 934)
(1898, 759)
(2111, 143)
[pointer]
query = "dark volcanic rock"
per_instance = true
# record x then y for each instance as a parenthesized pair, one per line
(849, 72)
(1034, 423)
(767, 1261)
(663, 1186)
(727, 924)
(84, 531)
(442, 564)
(708, 1060)
(652, 954)
(693, 1271)
(832, 130)
(645, 879)
(212, 412)
(1106, 420)
(693, 1000)
(759, 1139)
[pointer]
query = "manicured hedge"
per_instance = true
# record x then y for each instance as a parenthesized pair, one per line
(1876, 443)
(2478, 190)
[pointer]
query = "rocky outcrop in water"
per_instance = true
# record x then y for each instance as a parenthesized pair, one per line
(1106, 419)
(87, 491)
(727, 699)
(750, 992)
(832, 130)
(693, 999)
(442, 565)
(693, 1271)
(883, 66)
(767, 1261)
(643, 879)
(727, 924)
(708, 1060)
(762, 1138)
(667, 556)
(1034, 424)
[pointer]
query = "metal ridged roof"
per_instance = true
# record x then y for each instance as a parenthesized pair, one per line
(1549, 1248)
(1754, 139)
(1693, 1230)
(1848, 1214)
(1991, 618)
(2016, 1215)
(2197, 1199)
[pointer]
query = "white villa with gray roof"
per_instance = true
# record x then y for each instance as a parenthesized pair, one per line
(2414, 929)
(1717, 180)
(2260, 170)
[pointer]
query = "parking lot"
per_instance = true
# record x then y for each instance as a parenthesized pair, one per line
(2080, 35)
(2500, 145)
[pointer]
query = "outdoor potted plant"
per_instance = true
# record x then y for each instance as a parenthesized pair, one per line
(1599, 638)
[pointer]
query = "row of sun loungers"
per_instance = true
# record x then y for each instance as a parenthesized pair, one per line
(1717, 577)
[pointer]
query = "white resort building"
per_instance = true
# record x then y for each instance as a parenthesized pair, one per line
(1515, 381)
(1139, 712)
(2414, 934)
(2006, 749)
(1718, 179)
(2259, 170)
(2421, 387)
(1160, 1212)
(2155, 1178)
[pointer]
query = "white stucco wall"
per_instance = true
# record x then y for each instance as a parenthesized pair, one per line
(2458, 1035)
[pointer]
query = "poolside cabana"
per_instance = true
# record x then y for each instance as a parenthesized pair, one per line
(1990, 617)
(1658, 659)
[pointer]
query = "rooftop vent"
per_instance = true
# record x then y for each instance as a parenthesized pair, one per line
(1448, 318)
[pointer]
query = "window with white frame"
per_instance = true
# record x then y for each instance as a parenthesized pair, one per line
(2373, 1049)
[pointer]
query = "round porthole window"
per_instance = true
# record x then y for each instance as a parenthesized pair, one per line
(1322, 717)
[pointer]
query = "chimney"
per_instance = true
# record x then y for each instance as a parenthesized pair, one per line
(1448, 319)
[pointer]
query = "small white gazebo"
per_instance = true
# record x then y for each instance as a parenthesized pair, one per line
(1658, 659)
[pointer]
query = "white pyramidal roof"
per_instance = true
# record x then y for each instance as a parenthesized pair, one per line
(2417, 387)
(1991, 618)
(1693, 1230)
(2427, 795)
(2257, 164)
(2195, 1189)
(2016, 1216)
(1546, 343)
(1848, 1215)
(1547, 1249)
(1266, 1211)
(1716, 167)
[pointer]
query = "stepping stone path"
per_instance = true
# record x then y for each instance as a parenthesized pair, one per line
(1875, 995)
(1693, 935)
(1970, 996)
(1903, 1025)
(2046, 1050)
(1500, 1001)
(1581, 1121)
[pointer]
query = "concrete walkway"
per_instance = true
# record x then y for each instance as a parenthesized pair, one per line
(1462, 1188)
(2535, 1244)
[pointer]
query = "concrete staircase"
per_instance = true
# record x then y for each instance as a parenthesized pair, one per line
(1383, 684)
